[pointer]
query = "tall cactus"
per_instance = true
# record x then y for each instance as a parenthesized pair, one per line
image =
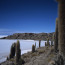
(51, 42)
(45, 44)
(12, 51)
(48, 43)
(33, 48)
(56, 36)
(62, 27)
(35, 44)
(39, 43)
(18, 52)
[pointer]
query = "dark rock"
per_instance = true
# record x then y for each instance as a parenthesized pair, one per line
(32, 36)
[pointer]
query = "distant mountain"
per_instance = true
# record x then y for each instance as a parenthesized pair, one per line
(32, 36)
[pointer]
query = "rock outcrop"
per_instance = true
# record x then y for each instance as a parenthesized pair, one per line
(32, 36)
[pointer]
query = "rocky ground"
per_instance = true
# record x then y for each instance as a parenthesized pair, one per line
(42, 56)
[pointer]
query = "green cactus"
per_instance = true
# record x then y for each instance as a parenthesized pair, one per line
(35, 44)
(39, 43)
(7, 58)
(51, 43)
(48, 43)
(45, 44)
(18, 52)
(61, 25)
(56, 37)
(12, 51)
(33, 48)
(10, 56)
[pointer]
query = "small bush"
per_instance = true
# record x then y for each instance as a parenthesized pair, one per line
(25, 55)
(34, 54)
(41, 51)
(21, 61)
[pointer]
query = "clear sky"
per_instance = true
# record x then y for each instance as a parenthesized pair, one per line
(28, 15)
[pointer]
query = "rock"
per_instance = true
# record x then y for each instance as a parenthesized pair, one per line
(52, 63)
(32, 36)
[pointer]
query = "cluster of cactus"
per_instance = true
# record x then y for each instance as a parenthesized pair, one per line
(18, 53)
(12, 51)
(15, 48)
(39, 43)
(48, 43)
(33, 48)
(60, 34)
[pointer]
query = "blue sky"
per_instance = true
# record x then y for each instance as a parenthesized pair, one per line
(28, 15)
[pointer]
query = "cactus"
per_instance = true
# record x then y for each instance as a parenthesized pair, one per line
(35, 44)
(56, 36)
(48, 43)
(51, 43)
(39, 43)
(7, 58)
(18, 52)
(61, 27)
(33, 48)
(45, 44)
(12, 51)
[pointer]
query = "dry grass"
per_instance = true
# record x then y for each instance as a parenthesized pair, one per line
(12, 59)
(41, 51)
(25, 56)
(34, 54)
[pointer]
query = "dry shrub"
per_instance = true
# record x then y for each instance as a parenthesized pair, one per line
(41, 51)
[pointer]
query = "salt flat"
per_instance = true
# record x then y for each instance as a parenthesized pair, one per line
(25, 45)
